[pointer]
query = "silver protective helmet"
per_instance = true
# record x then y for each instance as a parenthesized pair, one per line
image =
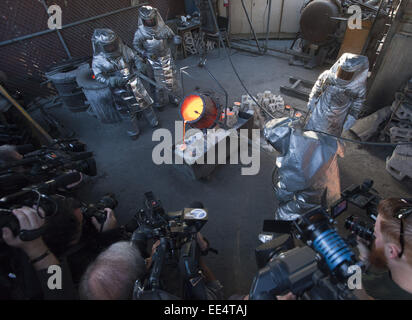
(148, 16)
(106, 41)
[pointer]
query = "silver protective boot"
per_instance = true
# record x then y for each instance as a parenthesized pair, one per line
(151, 117)
(135, 130)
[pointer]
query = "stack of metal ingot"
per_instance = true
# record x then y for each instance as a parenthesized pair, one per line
(272, 103)
(399, 165)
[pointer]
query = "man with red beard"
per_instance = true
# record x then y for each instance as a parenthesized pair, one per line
(389, 275)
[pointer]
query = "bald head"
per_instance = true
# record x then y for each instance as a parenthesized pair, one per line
(8, 153)
(113, 274)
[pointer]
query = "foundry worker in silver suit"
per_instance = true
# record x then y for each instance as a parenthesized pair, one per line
(115, 64)
(307, 167)
(153, 40)
(337, 99)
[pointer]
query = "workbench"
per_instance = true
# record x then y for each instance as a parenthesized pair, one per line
(191, 166)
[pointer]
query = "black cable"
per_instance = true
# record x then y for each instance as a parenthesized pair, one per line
(250, 24)
(382, 144)
(231, 62)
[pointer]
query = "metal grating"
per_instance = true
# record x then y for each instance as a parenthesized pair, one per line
(25, 62)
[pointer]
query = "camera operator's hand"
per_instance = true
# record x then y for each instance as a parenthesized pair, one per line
(109, 224)
(203, 244)
(36, 249)
(288, 296)
(364, 251)
(150, 259)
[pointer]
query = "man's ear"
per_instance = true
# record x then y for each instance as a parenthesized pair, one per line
(392, 250)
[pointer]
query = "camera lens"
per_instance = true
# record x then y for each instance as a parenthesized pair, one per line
(108, 201)
(88, 167)
(359, 228)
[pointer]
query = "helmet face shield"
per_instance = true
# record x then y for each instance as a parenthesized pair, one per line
(344, 75)
(150, 22)
(111, 47)
(106, 41)
(148, 16)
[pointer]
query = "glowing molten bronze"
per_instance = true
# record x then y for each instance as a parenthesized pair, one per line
(199, 111)
(192, 108)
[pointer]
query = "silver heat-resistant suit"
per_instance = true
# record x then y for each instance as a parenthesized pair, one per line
(152, 41)
(307, 164)
(115, 64)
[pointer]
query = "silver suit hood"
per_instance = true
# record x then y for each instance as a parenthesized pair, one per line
(102, 39)
(153, 43)
(157, 31)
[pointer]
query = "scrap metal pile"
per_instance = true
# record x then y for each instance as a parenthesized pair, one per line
(399, 165)
(274, 107)
(392, 123)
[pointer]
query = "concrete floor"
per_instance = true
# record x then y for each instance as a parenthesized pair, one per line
(237, 204)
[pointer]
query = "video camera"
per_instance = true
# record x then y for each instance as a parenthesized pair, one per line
(70, 145)
(364, 197)
(45, 163)
(318, 270)
(46, 160)
(97, 210)
(41, 196)
(322, 267)
(176, 232)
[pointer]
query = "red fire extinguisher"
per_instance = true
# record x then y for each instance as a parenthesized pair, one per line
(226, 3)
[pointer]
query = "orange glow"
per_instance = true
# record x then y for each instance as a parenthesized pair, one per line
(237, 103)
(183, 147)
(298, 114)
(192, 108)
(228, 113)
(287, 107)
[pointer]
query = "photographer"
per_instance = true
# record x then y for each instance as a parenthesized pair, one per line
(34, 259)
(391, 253)
(9, 153)
(114, 272)
(72, 236)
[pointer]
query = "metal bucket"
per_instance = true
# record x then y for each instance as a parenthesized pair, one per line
(63, 78)
(99, 96)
